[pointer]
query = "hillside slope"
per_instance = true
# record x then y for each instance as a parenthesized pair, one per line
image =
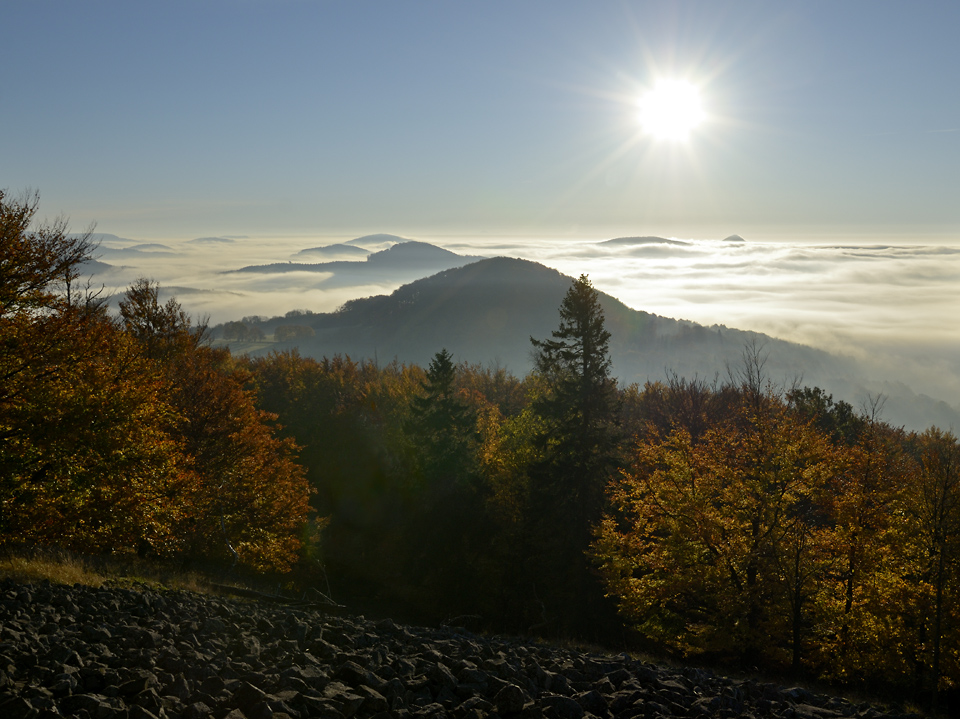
(487, 311)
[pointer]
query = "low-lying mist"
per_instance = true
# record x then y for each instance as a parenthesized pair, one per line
(892, 307)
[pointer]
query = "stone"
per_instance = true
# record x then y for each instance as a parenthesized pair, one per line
(105, 653)
(196, 710)
(510, 700)
(18, 708)
(247, 695)
(560, 707)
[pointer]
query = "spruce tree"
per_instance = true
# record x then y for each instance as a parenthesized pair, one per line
(578, 408)
(446, 524)
(444, 425)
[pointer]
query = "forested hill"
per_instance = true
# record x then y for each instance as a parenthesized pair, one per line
(486, 312)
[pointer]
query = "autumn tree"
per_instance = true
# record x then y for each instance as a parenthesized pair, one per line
(863, 499)
(85, 460)
(247, 497)
(714, 545)
(932, 533)
(164, 331)
(39, 320)
(658, 408)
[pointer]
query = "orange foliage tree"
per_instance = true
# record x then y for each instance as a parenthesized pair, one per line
(85, 461)
(246, 497)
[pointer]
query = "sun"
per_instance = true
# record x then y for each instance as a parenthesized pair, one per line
(671, 110)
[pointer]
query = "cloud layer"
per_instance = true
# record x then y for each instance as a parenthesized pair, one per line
(893, 307)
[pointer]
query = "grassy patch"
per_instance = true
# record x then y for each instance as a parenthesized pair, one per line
(23, 567)
(35, 564)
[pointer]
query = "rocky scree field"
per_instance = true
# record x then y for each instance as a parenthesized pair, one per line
(108, 653)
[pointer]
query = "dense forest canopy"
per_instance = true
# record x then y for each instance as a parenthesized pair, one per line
(734, 520)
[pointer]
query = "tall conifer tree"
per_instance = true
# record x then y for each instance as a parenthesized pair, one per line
(579, 450)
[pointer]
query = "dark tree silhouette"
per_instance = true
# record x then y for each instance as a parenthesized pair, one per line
(446, 527)
(444, 425)
(579, 443)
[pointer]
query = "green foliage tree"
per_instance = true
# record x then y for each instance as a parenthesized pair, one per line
(242, 331)
(445, 526)
(836, 419)
(444, 426)
(348, 418)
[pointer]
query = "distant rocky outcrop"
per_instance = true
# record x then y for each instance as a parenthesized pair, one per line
(125, 654)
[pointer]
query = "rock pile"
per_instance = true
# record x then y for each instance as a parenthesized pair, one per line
(119, 653)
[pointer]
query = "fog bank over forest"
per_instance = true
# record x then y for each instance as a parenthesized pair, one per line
(891, 307)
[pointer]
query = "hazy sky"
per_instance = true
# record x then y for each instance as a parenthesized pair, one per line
(171, 120)
(831, 143)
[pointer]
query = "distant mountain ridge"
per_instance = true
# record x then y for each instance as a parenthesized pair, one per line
(337, 250)
(486, 311)
(378, 239)
(402, 262)
(633, 241)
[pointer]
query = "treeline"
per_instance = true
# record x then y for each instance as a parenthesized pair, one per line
(128, 433)
(459, 490)
(730, 521)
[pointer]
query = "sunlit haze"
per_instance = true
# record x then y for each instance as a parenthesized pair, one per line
(820, 133)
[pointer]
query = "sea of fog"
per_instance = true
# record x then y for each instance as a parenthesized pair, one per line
(893, 307)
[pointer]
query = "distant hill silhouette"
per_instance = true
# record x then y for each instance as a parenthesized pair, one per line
(94, 267)
(369, 241)
(633, 241)
(487, 311)
(151, 247)
(211, 241)
(402, 262)
(338, 250)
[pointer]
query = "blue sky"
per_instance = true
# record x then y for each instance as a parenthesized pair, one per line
(183, 119)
